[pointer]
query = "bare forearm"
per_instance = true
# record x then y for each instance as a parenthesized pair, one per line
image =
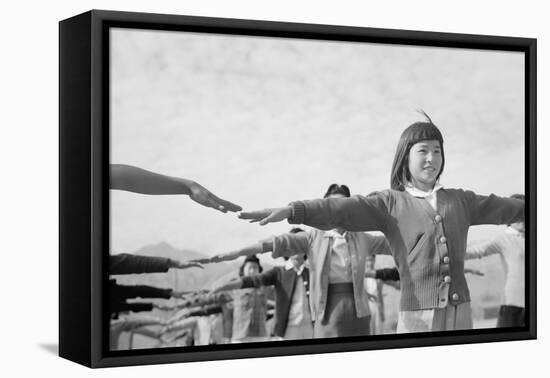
(134, 179)
(481, 250)
(249, 250)
(233, 285)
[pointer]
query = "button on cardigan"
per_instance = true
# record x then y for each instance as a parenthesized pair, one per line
(428, 246)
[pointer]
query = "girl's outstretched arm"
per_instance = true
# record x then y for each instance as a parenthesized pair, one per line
(476, 272)
(266, 216)
(493, 209)
(356, 213)
(134, 179)
(182, 324)
(234, 284)
(249, 250)
(482, 249)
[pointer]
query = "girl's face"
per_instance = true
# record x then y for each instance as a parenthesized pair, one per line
(250, 269)
(425, 161)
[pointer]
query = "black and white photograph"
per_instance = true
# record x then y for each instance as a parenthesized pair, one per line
(210, 188)
(265, 189)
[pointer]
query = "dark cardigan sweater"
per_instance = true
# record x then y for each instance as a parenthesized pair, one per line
(428, 246)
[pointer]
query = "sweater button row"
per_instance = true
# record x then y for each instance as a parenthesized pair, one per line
(443, 240)
(447, 279)
(446, 260)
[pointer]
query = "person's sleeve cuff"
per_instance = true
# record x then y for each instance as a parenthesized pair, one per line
(298, 213)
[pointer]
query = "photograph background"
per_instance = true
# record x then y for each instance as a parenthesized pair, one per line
(264, 121)
(30, 190)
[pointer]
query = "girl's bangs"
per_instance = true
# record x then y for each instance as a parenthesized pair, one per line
(423, 131)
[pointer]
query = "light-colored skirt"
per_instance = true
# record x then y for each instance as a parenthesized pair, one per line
(449, 318)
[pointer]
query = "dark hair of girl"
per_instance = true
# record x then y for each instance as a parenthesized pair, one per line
(252, 259)
(417, 132)
(337, 189)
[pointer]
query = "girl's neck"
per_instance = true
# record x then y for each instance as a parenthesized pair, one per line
(422, 186)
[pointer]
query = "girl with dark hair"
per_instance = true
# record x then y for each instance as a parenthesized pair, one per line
(426, 226)
(339, 304)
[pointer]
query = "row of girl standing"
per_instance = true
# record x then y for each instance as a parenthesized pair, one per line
(425, 227)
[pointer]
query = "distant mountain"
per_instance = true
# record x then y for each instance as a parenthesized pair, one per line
(164, 249)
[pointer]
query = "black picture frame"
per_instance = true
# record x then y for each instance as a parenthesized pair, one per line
(84, 174)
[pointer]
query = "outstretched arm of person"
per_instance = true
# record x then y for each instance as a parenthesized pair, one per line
(175, 264)
(126, 263)
(473, 271)
(134, 179)
(288, 244)
(482, 249)
(134, 321)
(267, 278)
(266, 216)
(234, 284)
(355, 213)
(207, 299)
(493, 209)
(181, 324)
(252, 249)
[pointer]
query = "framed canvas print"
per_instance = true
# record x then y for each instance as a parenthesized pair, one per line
(235, 188)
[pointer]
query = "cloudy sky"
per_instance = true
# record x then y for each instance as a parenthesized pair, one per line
(264, 121)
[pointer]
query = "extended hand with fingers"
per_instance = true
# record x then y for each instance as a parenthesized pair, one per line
(207, 260)
(203, 196)
(474, 271)
(189, 264)
(266, 216)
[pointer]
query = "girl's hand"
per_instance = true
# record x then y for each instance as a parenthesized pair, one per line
(188, 264)
(208, 260)
(267, 215)
(474, 271)
(201, 195)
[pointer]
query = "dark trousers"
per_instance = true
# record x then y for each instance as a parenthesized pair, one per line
(511, 316)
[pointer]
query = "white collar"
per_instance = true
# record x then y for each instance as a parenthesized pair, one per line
(290, 266)
(421, 193)
(334, 234)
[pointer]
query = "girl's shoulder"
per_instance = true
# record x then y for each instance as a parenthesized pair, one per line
(458, 193)
(400, 196)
